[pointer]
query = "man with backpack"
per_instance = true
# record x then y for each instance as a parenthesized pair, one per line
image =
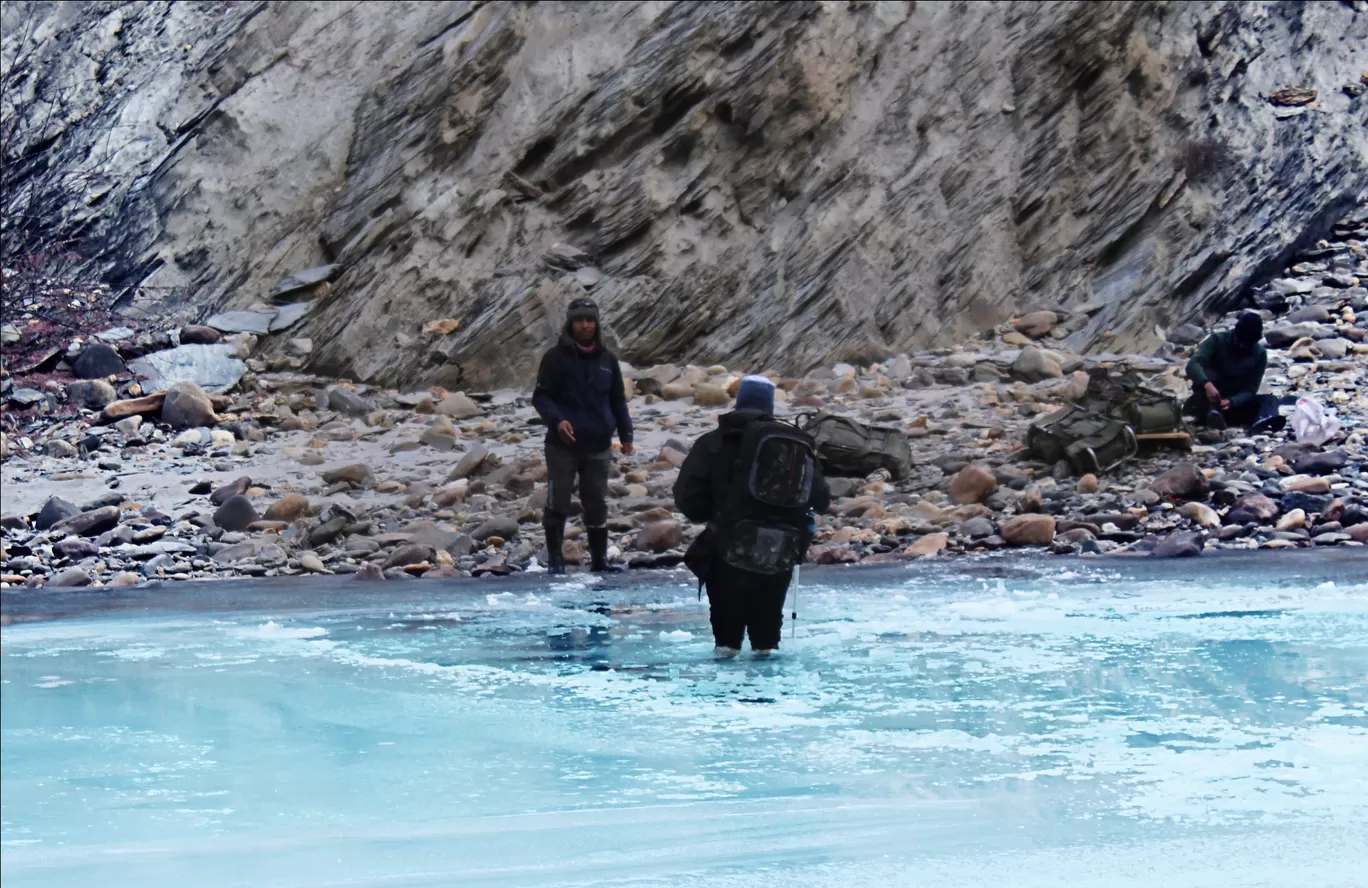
(581, 399)
(756, 482)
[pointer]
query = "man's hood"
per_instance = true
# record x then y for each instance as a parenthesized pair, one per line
(737, 418)
(568, 335)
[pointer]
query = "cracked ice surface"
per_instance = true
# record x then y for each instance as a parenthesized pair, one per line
(1001, 721)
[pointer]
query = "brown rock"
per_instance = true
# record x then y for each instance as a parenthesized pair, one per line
(458, 406)
(1029, 530)
(443, 327)
(369, 571)
(831, 555)
(929, 512)
(1087, 484)
(1200, 514)
(143, 406)
(1179, 545)
(1184, 481)
(930, 544)
(1037, 323)
(659, 536)
(450, 496)
(671, 456)
(441, 435)
(196, 335)
(410, 554)
(1293, 520)
(231, 489)
(92, 523)
(676, 391)
(972, 484)
(710, 396)
(72, 576)
(92, 394)
(469, 464)
(287, 508)
(1034, 365)
(1310, 485)
(1359, 532)
(1251, 508)
(358, 474)
(187, 407)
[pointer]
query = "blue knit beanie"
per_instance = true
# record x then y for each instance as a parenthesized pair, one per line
(755, 393)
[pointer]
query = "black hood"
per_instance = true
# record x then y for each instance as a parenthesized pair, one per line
(568, 334)
(738, 418)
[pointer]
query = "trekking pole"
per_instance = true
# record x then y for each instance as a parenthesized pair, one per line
(794, 613)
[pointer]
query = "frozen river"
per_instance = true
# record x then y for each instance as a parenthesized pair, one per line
(997, 722)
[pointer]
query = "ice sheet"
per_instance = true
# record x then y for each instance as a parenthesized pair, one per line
(998, 722)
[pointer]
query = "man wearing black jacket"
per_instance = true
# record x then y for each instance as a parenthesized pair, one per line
(740, 601)
(580, 397)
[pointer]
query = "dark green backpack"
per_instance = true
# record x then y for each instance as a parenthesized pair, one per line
(1089, 441)
(1145, 410)
(851, 449)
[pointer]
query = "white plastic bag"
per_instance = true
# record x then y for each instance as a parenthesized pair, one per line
(1311, 424)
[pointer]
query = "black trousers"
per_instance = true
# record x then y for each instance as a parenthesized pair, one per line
(562, 465)
(1260, 407)
(740, 602)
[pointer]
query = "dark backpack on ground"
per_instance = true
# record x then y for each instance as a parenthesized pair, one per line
(1090, 442)
(1145, 410)
(852, 449)
(763, 525)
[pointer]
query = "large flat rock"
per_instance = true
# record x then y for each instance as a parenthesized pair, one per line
(215, 368)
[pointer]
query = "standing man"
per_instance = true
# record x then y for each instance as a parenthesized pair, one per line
(756, 482)
(580, 397)
(1226, 372)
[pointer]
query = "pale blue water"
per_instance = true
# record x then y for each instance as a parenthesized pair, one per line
(1002, 722)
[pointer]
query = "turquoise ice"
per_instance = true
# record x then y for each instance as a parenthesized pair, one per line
(1002, 721)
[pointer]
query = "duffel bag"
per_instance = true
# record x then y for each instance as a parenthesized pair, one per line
(851, 449)
(1090, 442)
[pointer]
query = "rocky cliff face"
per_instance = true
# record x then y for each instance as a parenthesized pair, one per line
(760, 184)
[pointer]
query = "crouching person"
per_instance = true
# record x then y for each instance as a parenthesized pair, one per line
(581, 399)
(1226, 373)
(756, 482)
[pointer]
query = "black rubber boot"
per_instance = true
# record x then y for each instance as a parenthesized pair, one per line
(554, 524)
(598, 551)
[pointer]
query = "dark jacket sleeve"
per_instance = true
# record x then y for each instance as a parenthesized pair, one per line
(544, 396)
(1248, 386)
(693, 492)
(1201, 360)
(617, 398)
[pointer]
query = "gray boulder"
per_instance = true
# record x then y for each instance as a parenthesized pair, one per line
(99, 361)
(92, 394)
(212, 367)
(236, 513)
(54, 511)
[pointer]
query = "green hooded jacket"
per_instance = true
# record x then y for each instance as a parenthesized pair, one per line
(1236, 374)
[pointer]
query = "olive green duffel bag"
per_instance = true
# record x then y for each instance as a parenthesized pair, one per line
(1090, 442)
